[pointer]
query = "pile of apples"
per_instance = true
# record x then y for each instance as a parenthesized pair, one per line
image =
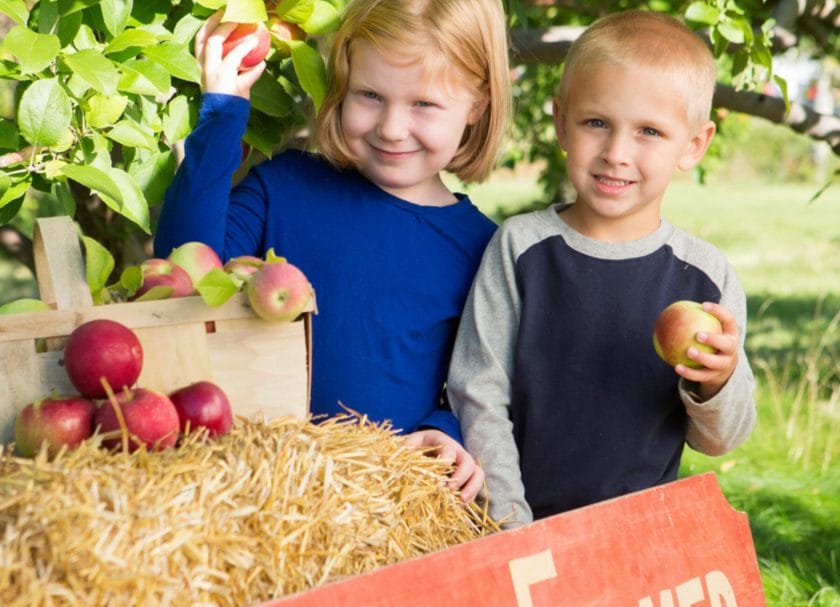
(103, 360)
(278, 291)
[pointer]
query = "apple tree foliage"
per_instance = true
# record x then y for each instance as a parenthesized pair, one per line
(105, 89)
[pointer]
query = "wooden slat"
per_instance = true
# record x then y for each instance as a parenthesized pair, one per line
(59, 267)
(20, 382)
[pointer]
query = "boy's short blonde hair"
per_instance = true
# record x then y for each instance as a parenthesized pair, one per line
(464, 41)
(655, 40)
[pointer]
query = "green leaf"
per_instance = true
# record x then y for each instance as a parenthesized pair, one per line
(9, 135)
(295, 11)
(325, 18)
(176, 59)
(115, 14)
(96, 180)
(34, 51)
(131, 38)
(131, 279)
(95, 69)
(24, 305)
(65, 7)
(134, 205)
(216, 287)
(102, 111)
(783, 87)
(153, 175)
(213, 5)
(44, 113)
(16, 9)
(9, 209)
(310, 70)
(144, 77)
(5, 184)
(732, 31)
(269, 97)
(245, 11)
(99, 263)
(130, 134)
(157, 292)
(702, 12)
(176, 120)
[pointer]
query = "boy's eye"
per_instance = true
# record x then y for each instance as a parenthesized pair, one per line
(595, 123)
(650, 132)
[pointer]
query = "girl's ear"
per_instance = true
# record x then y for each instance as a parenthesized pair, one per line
(697, 146)
(558, 112)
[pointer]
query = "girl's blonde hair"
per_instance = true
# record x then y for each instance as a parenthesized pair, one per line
(463, 40)
(655, 40)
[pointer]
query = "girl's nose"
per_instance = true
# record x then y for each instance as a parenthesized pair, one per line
(392, 124)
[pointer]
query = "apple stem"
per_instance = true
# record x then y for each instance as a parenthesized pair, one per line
(112, 399)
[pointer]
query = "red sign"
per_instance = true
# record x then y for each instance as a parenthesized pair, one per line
(676, 545)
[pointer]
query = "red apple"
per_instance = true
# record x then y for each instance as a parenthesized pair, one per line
(241, 268)
(676, 330)
(99, 349)
(164, 274)
(279, 291)
(244, 31)
(196, 258)
(150, 418)
(58, 420)
(203, 404)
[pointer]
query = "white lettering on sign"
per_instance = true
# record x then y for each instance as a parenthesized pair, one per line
(718, 591)
(530, 570)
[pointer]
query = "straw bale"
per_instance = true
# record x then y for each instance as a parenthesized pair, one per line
(270, 509)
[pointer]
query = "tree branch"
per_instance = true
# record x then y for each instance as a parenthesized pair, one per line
(550, 45)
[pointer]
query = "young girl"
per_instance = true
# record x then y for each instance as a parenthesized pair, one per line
(415, 87)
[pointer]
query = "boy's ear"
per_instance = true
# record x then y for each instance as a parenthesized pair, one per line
(697, 146)
(558, 112)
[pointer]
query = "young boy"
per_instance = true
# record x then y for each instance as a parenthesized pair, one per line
(554, 377)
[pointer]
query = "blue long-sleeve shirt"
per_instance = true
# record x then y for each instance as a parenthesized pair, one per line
(390, 276)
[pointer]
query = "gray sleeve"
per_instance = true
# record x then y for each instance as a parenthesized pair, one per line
(723, 422)
(479, 382)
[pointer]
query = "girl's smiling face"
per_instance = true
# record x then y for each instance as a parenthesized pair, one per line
(626, 131)
(402, 126)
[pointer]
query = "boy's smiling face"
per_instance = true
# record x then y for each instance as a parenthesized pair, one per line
(625, 131)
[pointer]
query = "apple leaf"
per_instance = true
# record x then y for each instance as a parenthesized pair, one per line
(245, 11)
(45, 112)
(310, 70)
(325, 18)
(272, 257)
(157, 292)
(34, 51)
(295, 11)
(99, 263)
(16, 9)
(95, 69)
(216, 287)
(24, 305)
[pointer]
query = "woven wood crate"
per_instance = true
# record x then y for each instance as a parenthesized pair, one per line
(263, 367)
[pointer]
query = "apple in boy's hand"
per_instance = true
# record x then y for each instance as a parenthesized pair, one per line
(244, 31)
(150, 418)
(99, 349)
(163, 273)
(58, 420)
(196, 258)
(676, 330)
(279, 291)
(203, 404)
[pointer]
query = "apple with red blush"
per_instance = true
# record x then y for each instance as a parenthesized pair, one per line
(196, 259)
(246, 31)
(203, 404)
(169, 279)
(102, 349)
(55, 420)
(242, 267)
(150, 418)
(676, 329)
(279, 291)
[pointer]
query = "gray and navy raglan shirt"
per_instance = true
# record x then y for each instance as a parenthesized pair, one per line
(554, 378)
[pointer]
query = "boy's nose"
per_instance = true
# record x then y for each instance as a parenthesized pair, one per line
(616, 149)
(392, 124)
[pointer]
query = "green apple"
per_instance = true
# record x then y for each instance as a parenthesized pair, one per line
(676, 331)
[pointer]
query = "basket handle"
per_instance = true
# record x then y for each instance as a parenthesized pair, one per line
(59, 267)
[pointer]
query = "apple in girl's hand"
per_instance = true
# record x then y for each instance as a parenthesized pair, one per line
(676, 330)
(203, 404)
(58, 420)
(282, 32)
(242, 267)
(279, 291)
(99, 349)
(150, 418)
(244, 31)
(164, 273)
(196, 258)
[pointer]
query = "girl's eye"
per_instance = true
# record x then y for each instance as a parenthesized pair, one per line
(424, 104)
(370, 95)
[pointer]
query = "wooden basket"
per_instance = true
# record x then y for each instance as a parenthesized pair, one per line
(263, 367)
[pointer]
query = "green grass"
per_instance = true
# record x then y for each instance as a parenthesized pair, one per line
(786, 476)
